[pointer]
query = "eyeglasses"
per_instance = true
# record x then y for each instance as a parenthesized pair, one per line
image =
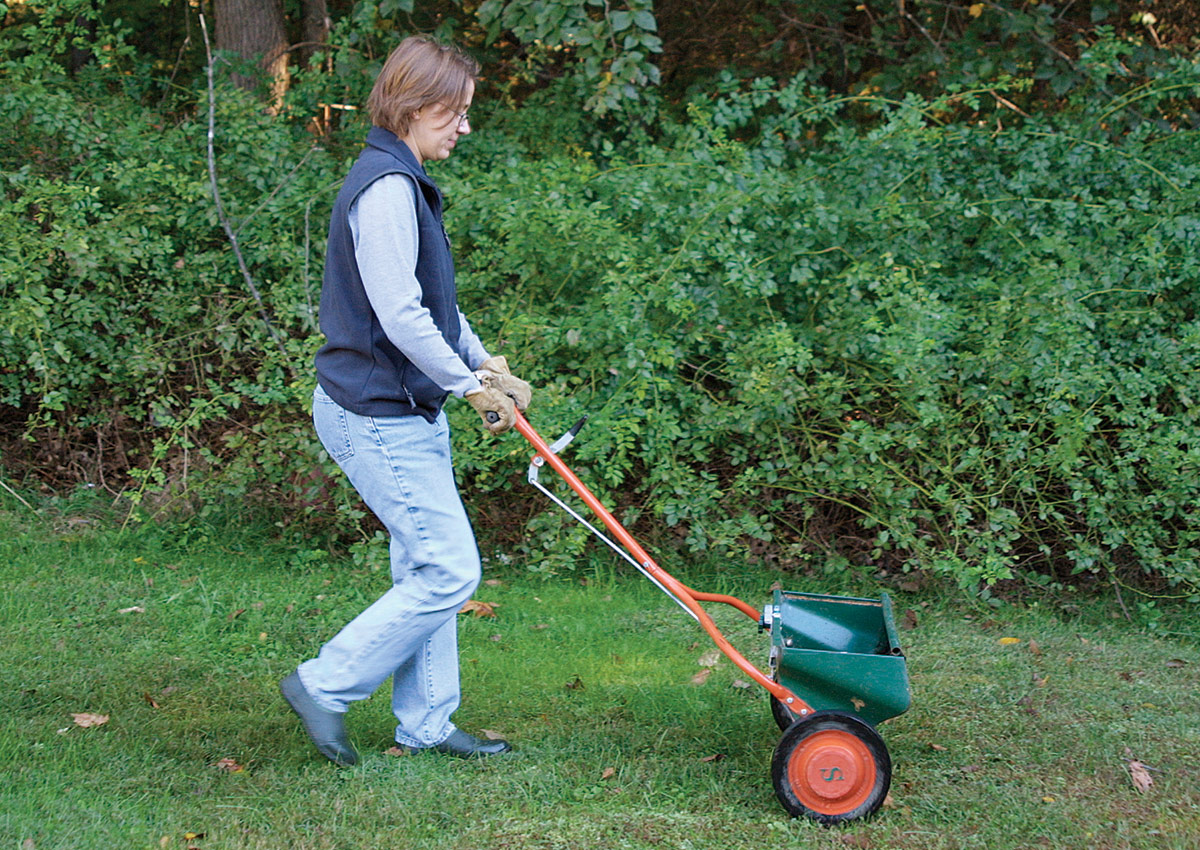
(462, 117)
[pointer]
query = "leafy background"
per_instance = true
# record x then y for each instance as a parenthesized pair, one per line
(838, 290)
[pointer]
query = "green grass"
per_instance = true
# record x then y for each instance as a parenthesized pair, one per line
(1004, 747)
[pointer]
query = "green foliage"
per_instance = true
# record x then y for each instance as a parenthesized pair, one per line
(610, 48)
(823, 330)
(969, 351)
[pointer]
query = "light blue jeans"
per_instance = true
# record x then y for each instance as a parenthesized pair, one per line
(400, 465)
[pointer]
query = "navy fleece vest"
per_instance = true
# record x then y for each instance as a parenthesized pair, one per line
(358, 366)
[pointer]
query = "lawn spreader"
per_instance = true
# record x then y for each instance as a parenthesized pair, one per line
(834, 670)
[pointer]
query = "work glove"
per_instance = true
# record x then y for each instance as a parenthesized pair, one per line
(498, 411)
(493, 372)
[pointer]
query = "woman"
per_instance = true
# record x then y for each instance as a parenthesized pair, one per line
(397, 346)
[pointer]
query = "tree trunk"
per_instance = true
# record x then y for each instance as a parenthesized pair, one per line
(254, 29)
(316, 27)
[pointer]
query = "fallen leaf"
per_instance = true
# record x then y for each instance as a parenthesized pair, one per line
(971, 768)
(150, 701)
(975, 10)
(608, 773)
(1035, 649)
(710, 659)
(888, 802)
(492, 735)
(909, 586)
(28, 844)
(858, 704)
(86, 720)
(702, 677)
(239, 612)
(479, 609)
(164, 842)
(1040, 681)
(229, 765)
(193, 836)
(136, 609)
(1140, 776)
(575, 684)
(540, 626)
(937, 747)
(713, 757)
(1008, 641)
(1176, 662)
(493, 582)
(395, 752)
(496, 638)
(1047, 799)
(910, 620)
(740, 684)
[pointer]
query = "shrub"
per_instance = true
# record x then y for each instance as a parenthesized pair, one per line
(962, 349)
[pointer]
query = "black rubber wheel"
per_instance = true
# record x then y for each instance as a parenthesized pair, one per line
(782, 714)
(831, 767)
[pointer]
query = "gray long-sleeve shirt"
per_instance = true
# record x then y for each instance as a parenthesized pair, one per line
(383, 222)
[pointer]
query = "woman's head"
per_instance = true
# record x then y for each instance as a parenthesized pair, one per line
(421, 74)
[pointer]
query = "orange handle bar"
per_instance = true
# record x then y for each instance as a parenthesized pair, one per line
(689, 598)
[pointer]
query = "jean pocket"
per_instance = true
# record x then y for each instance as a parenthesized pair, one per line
(333, 430)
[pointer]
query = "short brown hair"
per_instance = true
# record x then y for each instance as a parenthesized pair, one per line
(420, 71)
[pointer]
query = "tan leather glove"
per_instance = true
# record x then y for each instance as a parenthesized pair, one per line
(495, 407)
(493, 372)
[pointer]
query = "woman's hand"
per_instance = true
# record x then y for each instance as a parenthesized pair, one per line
(493, 372)
(495, 407)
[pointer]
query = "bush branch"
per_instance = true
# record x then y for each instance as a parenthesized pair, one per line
(216, 193)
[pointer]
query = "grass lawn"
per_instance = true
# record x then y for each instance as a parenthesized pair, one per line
(179, 636)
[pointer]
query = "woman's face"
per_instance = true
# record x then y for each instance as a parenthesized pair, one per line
(434, 129)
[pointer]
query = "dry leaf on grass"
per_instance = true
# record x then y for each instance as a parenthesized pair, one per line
(396, 752)
(702, 677)
(1140, 776)
(492, 735)
(151, 701)
(229, 765)
(479, 609)
(136, 609)
(609, 773)
(710, 659)
(937, 747)
(713, 757)
(86, 720)
(1008, 641)
(1176, 662)
(575, 684)
(1035, 649)
(740, 684)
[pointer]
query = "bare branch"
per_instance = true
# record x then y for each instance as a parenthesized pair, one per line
(216, 193)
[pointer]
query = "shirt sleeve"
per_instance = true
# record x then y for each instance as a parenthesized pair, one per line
(383, 222)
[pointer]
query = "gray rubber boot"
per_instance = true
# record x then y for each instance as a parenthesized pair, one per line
(327, 729)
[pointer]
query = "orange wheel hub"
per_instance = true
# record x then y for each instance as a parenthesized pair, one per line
(832, 772)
